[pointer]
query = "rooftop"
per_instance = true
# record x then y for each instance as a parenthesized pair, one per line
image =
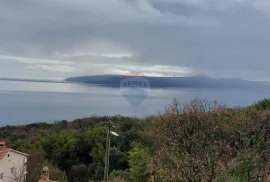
(4, 152)
(46, 180)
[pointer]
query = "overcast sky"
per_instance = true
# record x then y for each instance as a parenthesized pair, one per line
(62, 38)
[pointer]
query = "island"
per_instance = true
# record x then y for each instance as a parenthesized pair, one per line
(198, 81)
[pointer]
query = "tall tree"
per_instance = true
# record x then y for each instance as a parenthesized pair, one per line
(139, 159)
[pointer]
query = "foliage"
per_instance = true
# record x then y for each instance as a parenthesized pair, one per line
(78, 173)
(65, 144)
(118, 174)
(55, 173)
(241, 166)
(35, 164)
(199, 141)
(139, 159)
(262, 104)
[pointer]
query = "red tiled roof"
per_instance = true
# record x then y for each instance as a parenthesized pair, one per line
(4, 152)
(45, 180)
(2, 143)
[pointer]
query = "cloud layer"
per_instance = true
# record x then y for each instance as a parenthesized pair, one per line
(61, 38)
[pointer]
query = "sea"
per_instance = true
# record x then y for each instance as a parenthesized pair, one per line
(25, 102)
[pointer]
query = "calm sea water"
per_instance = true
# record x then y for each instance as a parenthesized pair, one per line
(28, 102)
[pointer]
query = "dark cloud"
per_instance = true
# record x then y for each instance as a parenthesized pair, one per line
(220, 38)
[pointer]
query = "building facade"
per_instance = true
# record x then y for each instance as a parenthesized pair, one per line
(13, 166)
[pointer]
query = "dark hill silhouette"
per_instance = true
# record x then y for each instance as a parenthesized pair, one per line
(200, 81)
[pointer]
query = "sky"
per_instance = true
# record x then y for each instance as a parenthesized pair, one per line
(62, 38)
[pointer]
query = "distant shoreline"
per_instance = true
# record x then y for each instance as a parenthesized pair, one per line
(195, 82)
(32, 80)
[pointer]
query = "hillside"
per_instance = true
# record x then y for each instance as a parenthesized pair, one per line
(220, 144)
(181, 82)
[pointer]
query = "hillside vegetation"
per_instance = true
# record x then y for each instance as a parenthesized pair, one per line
(199, 141)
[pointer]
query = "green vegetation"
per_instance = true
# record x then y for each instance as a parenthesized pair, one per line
(199, 141)
(139, 158)
(262, 105)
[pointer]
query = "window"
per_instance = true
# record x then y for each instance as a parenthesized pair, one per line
(1, 176)
(24, 170)
(12, 170)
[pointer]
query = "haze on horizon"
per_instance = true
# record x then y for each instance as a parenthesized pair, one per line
(64, 38)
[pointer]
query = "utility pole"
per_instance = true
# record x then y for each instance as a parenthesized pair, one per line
(106, 169)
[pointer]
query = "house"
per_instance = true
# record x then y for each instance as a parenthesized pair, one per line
(12, 164)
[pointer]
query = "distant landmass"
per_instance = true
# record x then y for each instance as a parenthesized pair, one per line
(199, 81)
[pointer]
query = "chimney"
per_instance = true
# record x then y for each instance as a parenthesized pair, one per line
(2, 146)
(45, 173)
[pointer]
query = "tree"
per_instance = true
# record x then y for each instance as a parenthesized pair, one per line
(118, 174)
(117, 179)
(191, 142)
(241, 166)
(262, 104)
(55, 173)
(96, 169)
(78, 173)
(34, 166)
(139, 159)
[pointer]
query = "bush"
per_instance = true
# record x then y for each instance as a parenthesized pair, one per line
(203, 141)
(262, 105)
(118, 174)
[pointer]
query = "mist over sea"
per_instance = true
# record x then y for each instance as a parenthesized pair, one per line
(23, 102)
